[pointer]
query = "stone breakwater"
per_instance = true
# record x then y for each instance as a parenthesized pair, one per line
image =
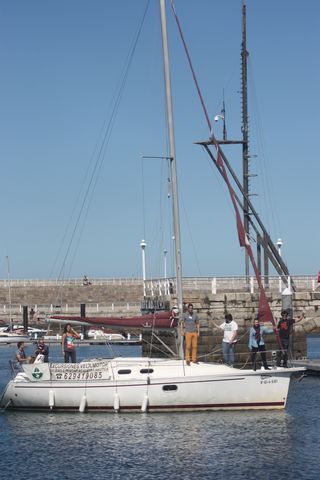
(244, 306)
(211, 308)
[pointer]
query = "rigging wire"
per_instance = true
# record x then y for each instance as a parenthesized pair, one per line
(264, 307)
(95, 165)
(96, 168)
(265, 178)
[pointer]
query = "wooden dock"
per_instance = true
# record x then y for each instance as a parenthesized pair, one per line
(312, 366)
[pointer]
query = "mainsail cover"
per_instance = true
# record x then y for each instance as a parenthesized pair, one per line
(153, 320)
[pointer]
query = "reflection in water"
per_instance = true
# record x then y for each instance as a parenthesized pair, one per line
(211, 445)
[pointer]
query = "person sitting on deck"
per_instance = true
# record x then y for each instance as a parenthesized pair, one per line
(21, 354)
(42, 349)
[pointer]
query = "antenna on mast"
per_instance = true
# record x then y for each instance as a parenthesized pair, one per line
(245, 135)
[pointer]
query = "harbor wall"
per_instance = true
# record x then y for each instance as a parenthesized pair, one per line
(243, 307)
(125, 299)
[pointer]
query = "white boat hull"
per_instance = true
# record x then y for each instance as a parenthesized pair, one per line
(119, 385)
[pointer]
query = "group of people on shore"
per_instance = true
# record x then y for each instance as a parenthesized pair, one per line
(190, 330)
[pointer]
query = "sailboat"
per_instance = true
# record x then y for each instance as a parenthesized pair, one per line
(148, 384)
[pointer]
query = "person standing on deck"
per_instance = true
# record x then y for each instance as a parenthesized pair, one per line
(67, 344)
(230, 329)
(284, 328)
(190, 329)
(256, 342)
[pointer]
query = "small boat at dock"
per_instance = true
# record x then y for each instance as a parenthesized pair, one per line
(11, 337)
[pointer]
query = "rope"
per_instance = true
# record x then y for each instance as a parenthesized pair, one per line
(191, 67)
(264, 308)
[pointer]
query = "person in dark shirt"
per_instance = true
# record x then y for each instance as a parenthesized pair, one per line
(284, 328)
(42, 349)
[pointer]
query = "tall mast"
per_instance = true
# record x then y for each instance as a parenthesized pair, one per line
(9, 290)
(173, 169)
(245, 136)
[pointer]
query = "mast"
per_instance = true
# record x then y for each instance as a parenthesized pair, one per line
(245, 136)
(173, 170)
(9, 290)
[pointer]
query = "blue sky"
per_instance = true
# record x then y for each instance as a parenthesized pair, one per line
(62, 64)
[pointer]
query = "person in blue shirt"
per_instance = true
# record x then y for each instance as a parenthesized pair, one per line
(256, 342)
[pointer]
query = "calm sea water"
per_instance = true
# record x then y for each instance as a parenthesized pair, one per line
(209, 445)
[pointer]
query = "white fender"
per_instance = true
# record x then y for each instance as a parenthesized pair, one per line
(83, 404)
(145, 403)
(51, 399)
(39, 359)
(116, 402)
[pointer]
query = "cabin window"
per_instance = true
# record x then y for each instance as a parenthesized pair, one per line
(124, 372)
(146, 370)
(168, 388)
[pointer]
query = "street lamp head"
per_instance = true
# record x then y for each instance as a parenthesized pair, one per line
(143, 244)
(279, 243)
(218, 117)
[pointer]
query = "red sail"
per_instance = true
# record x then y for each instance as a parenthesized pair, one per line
(265, 314)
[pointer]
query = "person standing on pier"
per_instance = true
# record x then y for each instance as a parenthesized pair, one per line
(230, 329)
(284, 328)
(190, 329)
(67, 344)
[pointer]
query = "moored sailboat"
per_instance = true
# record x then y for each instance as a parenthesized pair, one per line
(148, 384)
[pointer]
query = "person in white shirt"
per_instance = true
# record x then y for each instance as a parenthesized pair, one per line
(230, 329)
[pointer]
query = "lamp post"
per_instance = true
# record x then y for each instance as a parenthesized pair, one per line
(165, 263)
(279, 245)
(165, 251)
(143, 254)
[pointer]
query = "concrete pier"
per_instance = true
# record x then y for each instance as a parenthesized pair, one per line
(123, 298)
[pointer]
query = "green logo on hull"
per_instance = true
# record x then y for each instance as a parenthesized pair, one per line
(37, 374)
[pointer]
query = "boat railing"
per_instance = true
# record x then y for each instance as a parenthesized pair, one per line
(235, 284)
(5, 283)
(92, 308)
